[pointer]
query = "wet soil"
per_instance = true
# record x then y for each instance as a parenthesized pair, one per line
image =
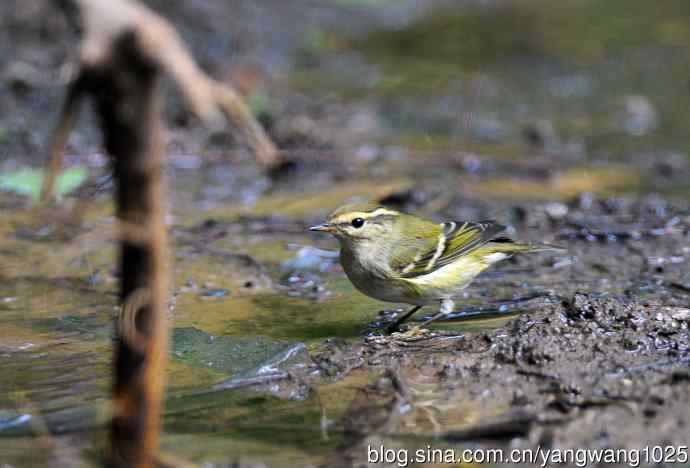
(596, 366)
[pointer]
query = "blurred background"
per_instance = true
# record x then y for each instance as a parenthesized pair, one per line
(567, 121)
(587, 83)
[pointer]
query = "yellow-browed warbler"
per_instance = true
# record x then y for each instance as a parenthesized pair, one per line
(397, 257)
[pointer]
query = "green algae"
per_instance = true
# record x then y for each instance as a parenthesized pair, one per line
(29, 181)
(281, 317)
(223, 354)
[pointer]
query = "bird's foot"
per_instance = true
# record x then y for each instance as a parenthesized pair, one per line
(412, 333)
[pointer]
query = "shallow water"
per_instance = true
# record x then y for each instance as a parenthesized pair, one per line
(240, 321)
(237, 308)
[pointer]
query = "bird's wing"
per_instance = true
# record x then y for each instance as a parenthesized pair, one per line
(454, 240)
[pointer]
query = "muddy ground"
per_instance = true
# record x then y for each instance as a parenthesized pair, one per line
(593, 352)
(598, 366)
(570, 135)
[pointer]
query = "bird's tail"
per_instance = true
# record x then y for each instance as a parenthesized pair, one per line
(514, 247)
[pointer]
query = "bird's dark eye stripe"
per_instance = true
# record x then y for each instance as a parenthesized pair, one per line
(357, 222)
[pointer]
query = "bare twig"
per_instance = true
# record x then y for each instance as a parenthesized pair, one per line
(68, 116)
(102, 23)
(126, 88)
(124, 52)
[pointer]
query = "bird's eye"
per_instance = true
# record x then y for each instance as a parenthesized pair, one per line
(357, 223)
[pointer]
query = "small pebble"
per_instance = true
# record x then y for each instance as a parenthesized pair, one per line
(682, 315)
(215, 293)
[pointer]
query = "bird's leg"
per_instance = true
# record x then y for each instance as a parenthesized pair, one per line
(394, 326)
(447, 306)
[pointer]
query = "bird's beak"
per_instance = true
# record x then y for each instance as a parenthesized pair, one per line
(325, 227)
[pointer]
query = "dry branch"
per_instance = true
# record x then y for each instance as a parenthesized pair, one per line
(124, 53)
(125, 84)
(102, 23)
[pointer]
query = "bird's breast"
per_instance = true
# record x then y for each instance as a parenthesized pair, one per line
(374, 281)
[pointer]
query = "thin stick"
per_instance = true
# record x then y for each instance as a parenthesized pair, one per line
(237, 111)
(129, 104)
(66, 120)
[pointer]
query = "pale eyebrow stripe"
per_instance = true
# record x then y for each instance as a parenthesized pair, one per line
(384, 211)
(366, 215)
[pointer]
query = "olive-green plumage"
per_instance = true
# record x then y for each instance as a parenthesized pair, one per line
(397, 257)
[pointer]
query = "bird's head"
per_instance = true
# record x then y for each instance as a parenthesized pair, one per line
(357, 223)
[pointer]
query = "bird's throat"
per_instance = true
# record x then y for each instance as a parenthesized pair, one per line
(364, 257)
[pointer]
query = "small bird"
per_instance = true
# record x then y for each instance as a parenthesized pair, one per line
(397, 257)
